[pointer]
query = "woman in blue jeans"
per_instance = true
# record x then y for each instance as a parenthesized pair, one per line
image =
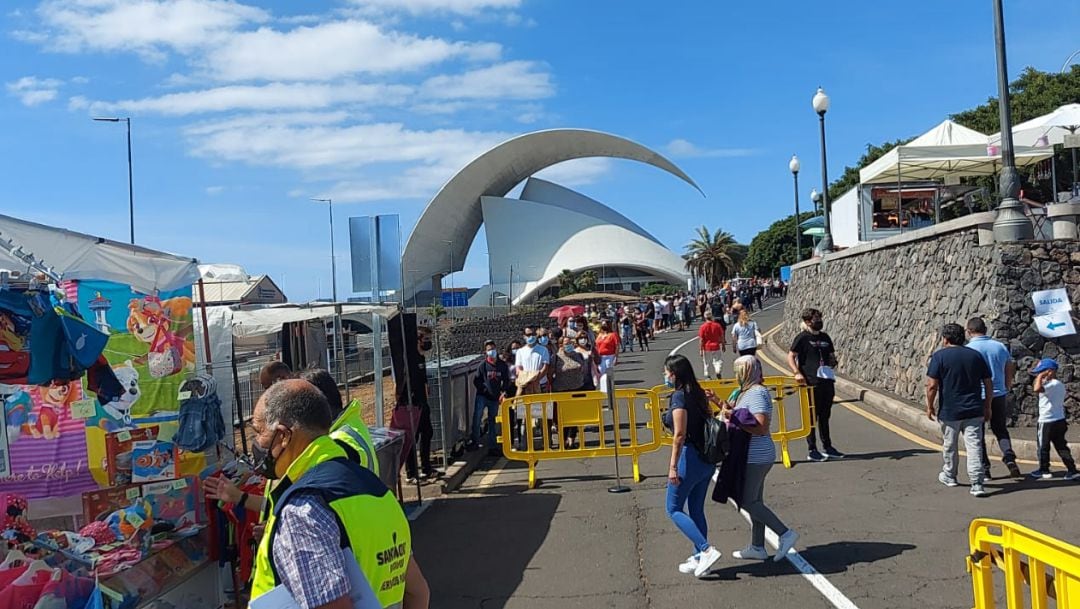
(689, 475)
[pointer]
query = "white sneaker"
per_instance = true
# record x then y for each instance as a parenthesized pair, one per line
(690, 565)
(946, 480)
(787, 542)
(751, 553)
(706, 560)
(977, 490)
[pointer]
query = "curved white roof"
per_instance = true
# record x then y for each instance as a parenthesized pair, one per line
(455, 213)
(562, 229)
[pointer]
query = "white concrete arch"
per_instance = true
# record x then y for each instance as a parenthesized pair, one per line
(455, 213)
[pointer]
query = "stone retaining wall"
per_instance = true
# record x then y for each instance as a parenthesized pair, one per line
(468, 338)
(884, 305)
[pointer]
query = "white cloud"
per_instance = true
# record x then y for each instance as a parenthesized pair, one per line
(686, 149)
(274, 96)
(33, 91)
(214, 190)
(464, 7)
(147, 27)
(332, 50)
(577, 172)
(510, 80)
(276, 140)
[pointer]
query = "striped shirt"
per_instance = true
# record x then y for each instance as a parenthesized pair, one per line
(758, 401)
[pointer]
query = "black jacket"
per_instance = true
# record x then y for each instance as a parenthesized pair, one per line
(732, 477)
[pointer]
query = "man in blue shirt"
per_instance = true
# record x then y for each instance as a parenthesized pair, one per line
(1003, 370)
(961, 379)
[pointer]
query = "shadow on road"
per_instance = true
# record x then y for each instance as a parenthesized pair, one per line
(835, 557)
(1006, 486)
(895, 455)
(493, 540)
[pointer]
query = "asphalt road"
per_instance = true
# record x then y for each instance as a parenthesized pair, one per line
(877, 527)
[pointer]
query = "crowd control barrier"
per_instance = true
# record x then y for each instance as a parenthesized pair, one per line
(1034, 565)
(548, 421)
(789, 397)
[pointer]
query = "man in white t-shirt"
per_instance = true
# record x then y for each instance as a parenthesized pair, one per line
(664, 312)
(532, 360)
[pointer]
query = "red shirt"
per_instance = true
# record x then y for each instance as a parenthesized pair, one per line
(608, 344)
(711, 336)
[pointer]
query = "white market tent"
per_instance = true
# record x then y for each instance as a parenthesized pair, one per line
(949, 149)
(72, 255)
(1054, 126)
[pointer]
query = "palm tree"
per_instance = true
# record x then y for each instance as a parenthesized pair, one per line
(714, 256)
(567, 283)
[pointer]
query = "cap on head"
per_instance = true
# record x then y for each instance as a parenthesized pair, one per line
(1045, 364)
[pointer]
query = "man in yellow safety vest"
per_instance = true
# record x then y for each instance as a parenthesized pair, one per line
(336, 537)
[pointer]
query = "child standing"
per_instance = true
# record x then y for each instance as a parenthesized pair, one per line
(1052, 425)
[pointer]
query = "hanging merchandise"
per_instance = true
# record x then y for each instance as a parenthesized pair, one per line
(47, 446)
(14, 346)
(201, 424)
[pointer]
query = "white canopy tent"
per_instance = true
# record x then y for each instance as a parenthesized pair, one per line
(1054, 126)
(949, 149)
(72, 255)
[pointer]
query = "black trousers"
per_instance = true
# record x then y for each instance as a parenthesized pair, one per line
(424, 432)
(824, 392)
(642, 338)
(1054, 433)
(999, 414)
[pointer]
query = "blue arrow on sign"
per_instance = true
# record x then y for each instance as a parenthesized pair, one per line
(1055, 326)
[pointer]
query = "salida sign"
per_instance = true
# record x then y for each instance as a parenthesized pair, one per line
(1053, 313)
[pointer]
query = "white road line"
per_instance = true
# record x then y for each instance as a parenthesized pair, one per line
(812, 575)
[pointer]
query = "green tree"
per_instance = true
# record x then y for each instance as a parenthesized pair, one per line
(774, 247)
(567, 283)
(656, 289)
(586, 281)
(713, 256)
(436, 311)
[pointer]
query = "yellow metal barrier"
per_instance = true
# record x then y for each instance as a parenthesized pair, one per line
(1047, 567)
(782, 388)
(546, 418)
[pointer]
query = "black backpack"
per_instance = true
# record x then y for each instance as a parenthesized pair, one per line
(717, 443)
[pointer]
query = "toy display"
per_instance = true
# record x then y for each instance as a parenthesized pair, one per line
(153, 460)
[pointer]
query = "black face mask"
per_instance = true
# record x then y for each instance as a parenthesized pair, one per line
(263, 461)
(817, 325)
(425, 346)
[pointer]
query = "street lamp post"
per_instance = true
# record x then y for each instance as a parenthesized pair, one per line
(821, 106)
(1010, 224)
(131, 193)
(793, 165)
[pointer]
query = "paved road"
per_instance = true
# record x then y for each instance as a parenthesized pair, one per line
(877, 526)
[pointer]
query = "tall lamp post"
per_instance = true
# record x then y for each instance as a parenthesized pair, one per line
(793, 165)
(821, 106)
(333, 258)
(1010, 224)
(131, 193)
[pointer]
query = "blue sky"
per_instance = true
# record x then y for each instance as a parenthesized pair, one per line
(241, 112)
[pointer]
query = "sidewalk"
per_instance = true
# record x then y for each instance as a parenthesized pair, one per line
(913, 415)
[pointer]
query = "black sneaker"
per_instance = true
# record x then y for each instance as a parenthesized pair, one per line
(1014, 470)
(816, 456)
(832, 453)
(472, 446)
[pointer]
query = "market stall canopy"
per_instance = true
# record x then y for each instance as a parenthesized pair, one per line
(815, 222)
(72, 255)
(947, 149)
(254, 320)
(1054, 126)
(816, 231)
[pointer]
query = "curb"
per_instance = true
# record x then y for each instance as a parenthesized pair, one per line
(459, 471)
(914, 416)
